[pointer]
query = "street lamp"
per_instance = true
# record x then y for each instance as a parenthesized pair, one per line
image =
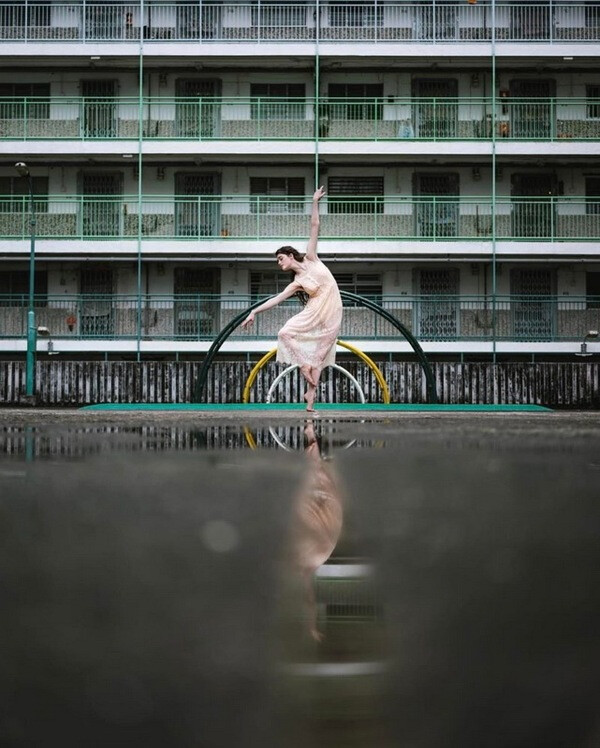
(50, 347)
(589, 336)
(23, 171)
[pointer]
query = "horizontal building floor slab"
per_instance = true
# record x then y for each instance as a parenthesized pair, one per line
(355, 249)
(260, 347)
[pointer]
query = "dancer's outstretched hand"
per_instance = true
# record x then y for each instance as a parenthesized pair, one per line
(319, 193)
(249, 320)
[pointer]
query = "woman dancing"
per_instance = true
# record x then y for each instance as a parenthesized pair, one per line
(308, 339)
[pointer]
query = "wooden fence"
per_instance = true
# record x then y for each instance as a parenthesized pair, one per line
(72, 383)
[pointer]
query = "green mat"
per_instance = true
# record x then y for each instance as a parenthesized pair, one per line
(340, 407)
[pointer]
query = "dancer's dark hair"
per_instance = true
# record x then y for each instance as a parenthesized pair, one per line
(299, 257)
(291, 251)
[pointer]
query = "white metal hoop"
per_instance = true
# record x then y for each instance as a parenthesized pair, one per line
(291, 368)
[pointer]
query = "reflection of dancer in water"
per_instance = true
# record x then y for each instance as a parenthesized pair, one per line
(318, 516)
(308, 339)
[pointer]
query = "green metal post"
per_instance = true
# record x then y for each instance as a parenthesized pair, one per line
(317, 110)
(494, 276)
(31, 328)
(30, 356)
(139, 162)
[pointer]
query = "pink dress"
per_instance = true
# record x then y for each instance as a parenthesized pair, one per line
(315, 329)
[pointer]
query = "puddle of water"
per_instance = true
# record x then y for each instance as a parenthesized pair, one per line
(401, 583)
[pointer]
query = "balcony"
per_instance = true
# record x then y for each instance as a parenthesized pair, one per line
(267, 22)
(382, 119)
(228, 218)
(434, 318)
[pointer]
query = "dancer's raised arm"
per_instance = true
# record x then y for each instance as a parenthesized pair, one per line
(288, 291)
(311, 249)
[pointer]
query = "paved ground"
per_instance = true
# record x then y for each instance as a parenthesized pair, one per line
(45, 416)
(125, 534)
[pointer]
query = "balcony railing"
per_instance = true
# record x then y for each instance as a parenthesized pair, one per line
(269, 118)
(200, 317)
(208, 21)
(227, 217)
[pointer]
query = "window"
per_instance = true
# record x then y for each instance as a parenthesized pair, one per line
(592, 196)
(16, 283)
(343, 193)
(592, 94)
(14, 194)
(37, 108)
(356, 109)
(363, 284)
(96, 279)
(277, 110)
(267, 283)
(272, 194)
(592, 290)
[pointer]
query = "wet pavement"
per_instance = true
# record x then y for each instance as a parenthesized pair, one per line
(418, 580)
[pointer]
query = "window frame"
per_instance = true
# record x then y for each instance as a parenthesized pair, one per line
(277, 204)
(595, 304)
(271, 110)
(355, 110)
(14, 202)
(372, 207)
(267, 283)
(592, 108)
(9, 279)
(38, 94)
(369, 285)
(592, 208)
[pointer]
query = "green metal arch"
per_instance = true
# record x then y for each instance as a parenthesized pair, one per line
(361, 301)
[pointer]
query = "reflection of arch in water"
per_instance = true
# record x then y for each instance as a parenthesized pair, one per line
(253, 443)
(283, 445)
(363, 356)
(361, 301)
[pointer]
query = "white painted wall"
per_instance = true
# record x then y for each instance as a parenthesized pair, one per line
(63, 281)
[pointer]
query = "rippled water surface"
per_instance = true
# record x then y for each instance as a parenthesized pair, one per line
(418, 581)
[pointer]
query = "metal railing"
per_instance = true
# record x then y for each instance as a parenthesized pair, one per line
(271, 118)
(441, 317)
(253, 217)
(209, 21)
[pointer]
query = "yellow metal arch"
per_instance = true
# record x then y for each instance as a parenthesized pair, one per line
(353, 349)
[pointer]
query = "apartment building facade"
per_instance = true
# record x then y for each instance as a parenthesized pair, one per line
(173, 146)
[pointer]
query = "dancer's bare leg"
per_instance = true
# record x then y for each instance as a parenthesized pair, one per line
(311, 391)
(306, 371)
(309, 396)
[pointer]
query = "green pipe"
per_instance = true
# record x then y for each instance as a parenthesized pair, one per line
(317, 110)
(139, 161)
(494, 273)
(31, 327)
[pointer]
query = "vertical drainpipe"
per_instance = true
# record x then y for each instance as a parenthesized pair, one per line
(494, 310)
(139, 221)
(317, 113)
